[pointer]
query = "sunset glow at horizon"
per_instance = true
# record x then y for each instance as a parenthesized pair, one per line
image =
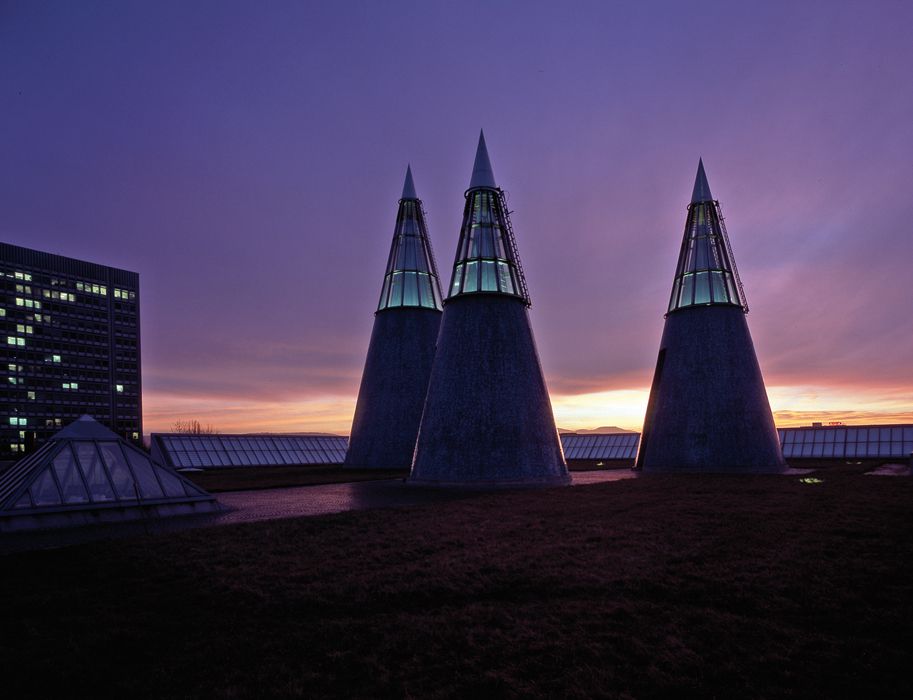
(246, 161)
(792, 406)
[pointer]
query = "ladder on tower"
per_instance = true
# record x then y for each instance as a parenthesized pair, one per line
(735, 268)
(428, 241)
(514, 252)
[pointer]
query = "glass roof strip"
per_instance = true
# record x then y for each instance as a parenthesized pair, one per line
(600, 446)
(261, 449)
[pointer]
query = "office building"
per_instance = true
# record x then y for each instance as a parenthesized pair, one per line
(70, 346)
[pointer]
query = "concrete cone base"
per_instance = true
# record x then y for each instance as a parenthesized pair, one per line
(708, 409)
(393, 388)
(487, 419)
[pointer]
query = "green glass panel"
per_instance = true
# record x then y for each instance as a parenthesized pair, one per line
(702, 288)
(489, 282)
(410, 289)
(424, 291)
(472, 277)
(396, 292)
(457, 285)
(673, 302)
(687, 298)
(719, 287)
(504, 278)
(730, 285)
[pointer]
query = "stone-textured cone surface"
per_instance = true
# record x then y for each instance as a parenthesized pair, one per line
(488, 420)
(708, 409)
(401, 350)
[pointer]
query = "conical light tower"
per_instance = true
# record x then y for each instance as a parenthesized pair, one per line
(401, 350)
(708, 409)
(488, 420)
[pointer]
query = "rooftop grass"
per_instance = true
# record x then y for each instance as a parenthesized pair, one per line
(709, 586)
(244, 479)
(253, 478)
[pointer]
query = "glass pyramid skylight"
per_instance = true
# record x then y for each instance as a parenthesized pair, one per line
(411, 278)
(706, 272)
(86, 467)
(487, 260)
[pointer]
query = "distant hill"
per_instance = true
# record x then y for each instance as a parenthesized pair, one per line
(602, 430)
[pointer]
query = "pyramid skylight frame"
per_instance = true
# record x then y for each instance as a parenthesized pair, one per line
(93, 472)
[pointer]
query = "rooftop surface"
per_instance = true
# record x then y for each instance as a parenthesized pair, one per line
(622, 589)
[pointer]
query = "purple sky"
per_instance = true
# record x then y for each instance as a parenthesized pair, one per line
(246, 158)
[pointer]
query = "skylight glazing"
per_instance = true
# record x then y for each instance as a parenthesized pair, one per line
(706, 272)
(96, 472)
(487, 260)
(613, 446)
(214, 451)
(411, 279)
(894, 441)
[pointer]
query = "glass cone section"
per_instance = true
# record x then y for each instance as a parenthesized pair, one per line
(706, 272)
(411, 279)
(487, 260)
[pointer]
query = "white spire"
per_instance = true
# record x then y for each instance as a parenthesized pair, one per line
(701, 191)
(482, 174)
(409, 185)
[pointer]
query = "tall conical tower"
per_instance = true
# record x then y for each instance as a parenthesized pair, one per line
(488, 419)
(402, 345)
(708, 409)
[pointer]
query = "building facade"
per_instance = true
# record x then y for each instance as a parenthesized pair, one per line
(71, 346)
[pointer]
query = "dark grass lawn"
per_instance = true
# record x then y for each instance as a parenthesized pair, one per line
(244, 479)
(706, 586)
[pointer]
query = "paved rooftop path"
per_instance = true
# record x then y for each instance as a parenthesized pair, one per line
(298, 501)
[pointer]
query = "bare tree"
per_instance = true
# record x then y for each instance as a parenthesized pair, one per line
(192, 427)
